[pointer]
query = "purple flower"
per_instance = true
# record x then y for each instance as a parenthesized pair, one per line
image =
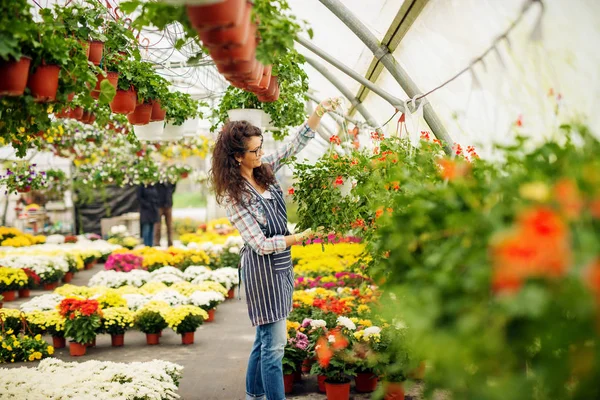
(306, 322)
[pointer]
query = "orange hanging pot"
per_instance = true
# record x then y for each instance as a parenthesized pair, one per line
(113, 78)
(13, 76)
(234, 36)
(76, 113)
(256, 75)
(263, 84)
(141, 115)
(96, 48)
(224, 15)
(43, 83)
(124, 102)
(238, 70)
(158, 113)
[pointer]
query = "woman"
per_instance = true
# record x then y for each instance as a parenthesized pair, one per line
(245, 183)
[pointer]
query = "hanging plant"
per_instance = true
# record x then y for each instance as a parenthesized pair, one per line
(181, 107)
(22, 177)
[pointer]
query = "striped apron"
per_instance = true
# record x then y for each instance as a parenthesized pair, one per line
(269, 279)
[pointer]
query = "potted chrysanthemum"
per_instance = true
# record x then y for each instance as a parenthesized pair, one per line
(208, 301)
(82, 320)
(184, 320)
(116, 321)
(150, 320)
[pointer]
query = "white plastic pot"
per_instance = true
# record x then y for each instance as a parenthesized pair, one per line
(173, 132)
(150, 132)
(267, 123)
(252, 115)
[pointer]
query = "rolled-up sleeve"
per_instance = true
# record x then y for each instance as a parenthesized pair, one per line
(298, 142)
(249, 229)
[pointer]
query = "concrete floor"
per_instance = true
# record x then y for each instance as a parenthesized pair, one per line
(214, 366)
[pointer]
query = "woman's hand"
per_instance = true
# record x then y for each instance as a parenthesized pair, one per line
(301, 237)
(328, 105)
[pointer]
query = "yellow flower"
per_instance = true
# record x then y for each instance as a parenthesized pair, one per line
(50, 350)
(31, 357)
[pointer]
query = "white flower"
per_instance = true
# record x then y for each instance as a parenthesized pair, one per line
(200, 299)
(372, 330)
(234, 250)
(318, 323)
(331, 339)
(346, 322)
(170, 296)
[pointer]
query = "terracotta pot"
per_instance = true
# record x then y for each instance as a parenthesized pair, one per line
(243, 53)
(76, 113)
(24, 293)
(224, 15)
(59, 342)
(10, 295)
(239, 84)
(113, 78)
(92, 343)
(141, 115)
(67, 278)
(306, 365)
(184, 175)
(124, 102)
(394, 391)
(92, 118)
(50, 286)
(231, 293)
(255, 76)
(158, 113)
(117, 340)
(187, 338)
(288, 383)
(88, 266)
(160, 333)
(337, 391)
(26, 190)
(238, 70)
(43, 83)
(77, 349)
(366, 382)
(321, 382)
(211, 315)
(269, 99)
(235, 36)
(152, 338)
(85, 118)
(13, 76)
(96, 48)
(262, 86)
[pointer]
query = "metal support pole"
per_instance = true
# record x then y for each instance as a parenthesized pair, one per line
(344, 90)
(394, 101)
(382, 53)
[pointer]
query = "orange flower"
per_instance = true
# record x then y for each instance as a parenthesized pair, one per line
(359, 223)
(291, 191)
(335, 139)
(335, 156)
(452, 169)
(457, 149)
(595, 208)
(379, 212)
(340, 341)
(390, 210)
(324, 352)
(568, 197)
(542, 223)
(339, 180)
(519, 121)
(425, 135)
(354, 161)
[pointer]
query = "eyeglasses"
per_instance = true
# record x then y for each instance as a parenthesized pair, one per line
(256, 152)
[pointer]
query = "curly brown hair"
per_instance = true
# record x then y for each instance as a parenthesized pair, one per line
(227, 181)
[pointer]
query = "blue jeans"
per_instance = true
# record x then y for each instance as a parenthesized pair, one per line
(148, 233)
(264, 376)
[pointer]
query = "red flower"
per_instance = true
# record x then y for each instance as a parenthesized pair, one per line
(457, 149)
(335, 139)
(291, 191)
(324, 352)
(519, 121)
(339, 180)
(425, 135)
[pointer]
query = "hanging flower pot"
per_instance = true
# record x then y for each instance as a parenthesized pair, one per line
(24, 293)
(366, 382)
(321, 382)
(13, 76)
(85, 118)
(59, 342)
(43, 83)
(187, 338)
(256, 75)
(117, 340)
(239, 70)
(96, 48)
(152, 338)
(288, 383)
(172, 132)
(211, 315)
(150, 132)
(113, 78)
(235, 36)
(220, 15)
(158, 113)
(68, 276)
(272, 93)
(9, 295)
(263, 83)
(77, 349)
(76, 113)
(394, 391)
(124, 101)
(337, 391)
(242, 53)
(141, 115)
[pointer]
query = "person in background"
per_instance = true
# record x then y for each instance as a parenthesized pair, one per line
(149, 202)
(165, 207)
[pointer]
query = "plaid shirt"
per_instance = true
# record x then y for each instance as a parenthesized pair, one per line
(248, 219)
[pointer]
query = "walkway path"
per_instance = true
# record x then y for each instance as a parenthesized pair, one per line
(214, 366)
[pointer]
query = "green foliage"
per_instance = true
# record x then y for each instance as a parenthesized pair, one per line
(83, 22)
(180, 107)
(17, 29)
(82, 329)
(189, 324)
(150, 321)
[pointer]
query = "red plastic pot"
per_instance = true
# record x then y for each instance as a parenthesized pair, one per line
(394, 391)
(321, 382)
(77, 349)
(124, 102)
(230, 293)
(366, 382)
(263, 84)
(43, 83)
(337, 391)
(117, 340)
(10, 295)
(13, 76)
(158, 113)
(76, 113)
(50, 286)
(256, 75)
(24, 293)
(220, 15)
(152, 338)
(242, 53)
(96, 48)
(59, 342)
(187, 338)
(113, 78)
(237, 70)
(235, 36)
(67, 278)
(288, 383)
(141, 115)
(211, 315)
